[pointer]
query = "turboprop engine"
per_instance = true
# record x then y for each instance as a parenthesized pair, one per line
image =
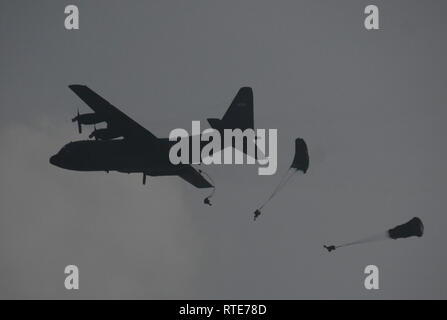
(104, 134)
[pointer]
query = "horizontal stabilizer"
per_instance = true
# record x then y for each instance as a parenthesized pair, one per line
(192, 176)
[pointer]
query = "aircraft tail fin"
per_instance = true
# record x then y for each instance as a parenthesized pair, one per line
(215, 123)
(240, 113)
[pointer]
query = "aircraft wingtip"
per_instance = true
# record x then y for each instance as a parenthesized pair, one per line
(75, 86)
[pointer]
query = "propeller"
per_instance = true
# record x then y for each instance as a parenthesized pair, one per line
(79, 124)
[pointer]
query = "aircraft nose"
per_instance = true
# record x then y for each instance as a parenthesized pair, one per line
(53, 160)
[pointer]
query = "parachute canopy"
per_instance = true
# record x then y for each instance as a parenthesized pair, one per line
(301, 159)
(414, 227)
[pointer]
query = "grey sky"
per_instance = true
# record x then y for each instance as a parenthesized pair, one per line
(370, 105)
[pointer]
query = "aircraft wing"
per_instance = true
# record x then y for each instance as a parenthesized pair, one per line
(194, 177)
(115, 118)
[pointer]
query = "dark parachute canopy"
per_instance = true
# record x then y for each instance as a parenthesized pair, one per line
(412, 228)
(301, 159)
(300, 163)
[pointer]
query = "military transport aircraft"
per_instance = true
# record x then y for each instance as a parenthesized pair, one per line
(125, 146)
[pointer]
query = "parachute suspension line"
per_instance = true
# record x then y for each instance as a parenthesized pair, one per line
(293, 171)
(207, 199)
(286, 177)
(377, 237)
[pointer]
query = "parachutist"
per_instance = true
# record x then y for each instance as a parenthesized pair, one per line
(257, 214)
(207, 201)
(330, 248)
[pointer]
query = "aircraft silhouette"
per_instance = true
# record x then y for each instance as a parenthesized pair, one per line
(137, 150)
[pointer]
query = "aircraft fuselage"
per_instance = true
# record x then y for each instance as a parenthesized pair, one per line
(115, 155)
